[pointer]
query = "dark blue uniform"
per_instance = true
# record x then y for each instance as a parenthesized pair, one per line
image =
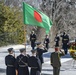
(65, 40)
(21, 65)
(46, 42)
(57, 39)
(35, 65)
(40, 54)
(33, 39)
(10, 63)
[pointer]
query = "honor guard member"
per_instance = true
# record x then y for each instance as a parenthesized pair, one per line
(34, 63)
(33, 39)
(21, 63)
(57, 39)
(40, 50)
(55, 60)
(65, 41)
(10, 62)
(46, 41)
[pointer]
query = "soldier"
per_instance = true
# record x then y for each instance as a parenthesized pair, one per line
(46, 41)
(65, 41)
(34, 63)
(40, 50)
(22, 63)
(57, 39)
(55, 60)
(10, 62)
(33, 39)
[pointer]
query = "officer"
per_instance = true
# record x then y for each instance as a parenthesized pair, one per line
(33, 39)
(22, 63)
(65, 41)
(55, 60)
(40, 50)
(10, 62)
(34, 63)
(46, 41)
(57, 39)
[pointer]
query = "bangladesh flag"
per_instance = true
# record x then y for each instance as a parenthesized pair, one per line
(35, 17)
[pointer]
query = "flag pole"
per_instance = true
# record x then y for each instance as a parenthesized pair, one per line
(25, 35)
(24, 26)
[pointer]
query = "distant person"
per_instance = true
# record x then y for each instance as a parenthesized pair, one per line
(55, 60)
(10, 62)
(40, 50)
(65, 41)
(34, 63)
(22, 63)
(33, 39)
(57, 39)
(46, 41)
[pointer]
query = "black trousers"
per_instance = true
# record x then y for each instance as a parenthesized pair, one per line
(56, 70)
(47, 45)
(33, 44)
(57, 44)
(65, 47)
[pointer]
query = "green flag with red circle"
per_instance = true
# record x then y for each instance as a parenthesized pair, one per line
(35, 17)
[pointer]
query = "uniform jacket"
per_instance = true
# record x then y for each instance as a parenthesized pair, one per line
(22, 65)
(65, 39)
(10, 63)
(57, 39)
(46, 40)
(40, 54)
(55, 59)
(33, 37)
(35, 65)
